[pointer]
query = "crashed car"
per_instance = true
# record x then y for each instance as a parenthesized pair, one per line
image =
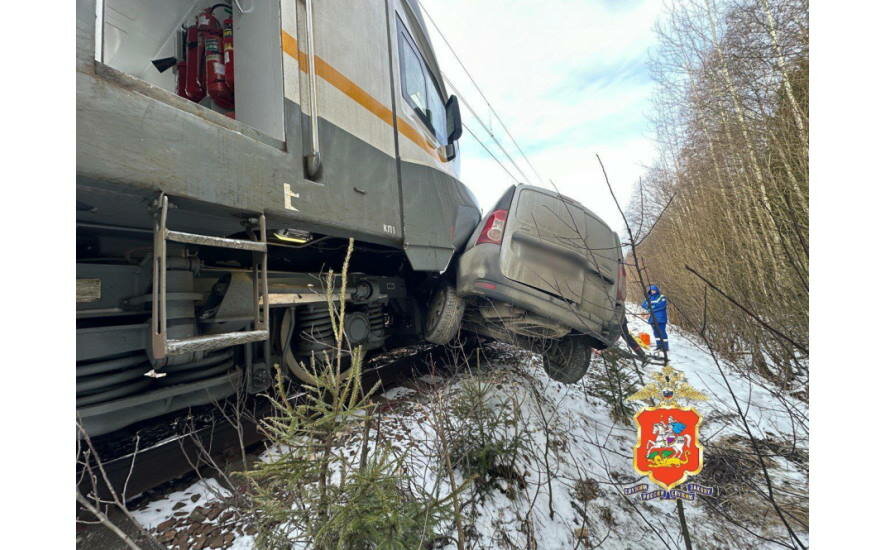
(543, 272)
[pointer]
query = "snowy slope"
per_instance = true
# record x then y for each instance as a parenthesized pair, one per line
(571, 495)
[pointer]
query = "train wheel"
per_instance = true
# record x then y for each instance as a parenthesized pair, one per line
(300, 369)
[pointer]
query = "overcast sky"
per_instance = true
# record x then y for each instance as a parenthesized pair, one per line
(569, 79)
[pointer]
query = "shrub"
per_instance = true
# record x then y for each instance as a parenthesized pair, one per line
(487, 436)
(326, 483)
(612, 379)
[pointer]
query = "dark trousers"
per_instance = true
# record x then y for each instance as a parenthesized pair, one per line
(661, 335)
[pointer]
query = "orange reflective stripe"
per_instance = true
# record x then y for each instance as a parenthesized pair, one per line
(414, 135)
(346, 86)
(290, 45)
(328, 73)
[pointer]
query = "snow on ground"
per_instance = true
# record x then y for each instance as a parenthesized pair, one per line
(184, 502)
(396, 393)
(764, 404)
(580, 458)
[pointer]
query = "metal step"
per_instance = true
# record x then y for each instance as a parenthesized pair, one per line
(220, 242)
(161, 345)
(214, 341)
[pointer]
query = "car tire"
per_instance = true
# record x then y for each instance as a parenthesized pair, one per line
(445, 312)
(567, 359)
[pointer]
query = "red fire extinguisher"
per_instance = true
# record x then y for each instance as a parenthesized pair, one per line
(228, 45)
(207, 64)
(180, 85)
(193, 70)
(181, 66)
(216, 86)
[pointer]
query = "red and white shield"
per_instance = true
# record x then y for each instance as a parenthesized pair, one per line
(667, 447)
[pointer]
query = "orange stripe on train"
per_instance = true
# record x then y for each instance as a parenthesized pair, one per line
(345, 85)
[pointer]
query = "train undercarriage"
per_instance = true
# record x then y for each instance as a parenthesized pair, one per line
(168, 320)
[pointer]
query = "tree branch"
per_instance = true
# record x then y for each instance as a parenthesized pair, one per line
(749, 312)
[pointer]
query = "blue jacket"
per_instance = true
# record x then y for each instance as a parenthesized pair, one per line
(657, 305)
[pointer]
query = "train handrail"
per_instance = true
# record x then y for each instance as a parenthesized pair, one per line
(312, 161)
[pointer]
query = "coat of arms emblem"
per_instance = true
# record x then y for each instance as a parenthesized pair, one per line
(668, 448)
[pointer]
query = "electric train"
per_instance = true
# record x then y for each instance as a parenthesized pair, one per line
(227, 153)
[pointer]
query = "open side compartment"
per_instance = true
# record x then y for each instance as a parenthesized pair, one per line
(206, 51)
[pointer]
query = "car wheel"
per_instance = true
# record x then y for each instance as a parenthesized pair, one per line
(567, 359)
(444, 315)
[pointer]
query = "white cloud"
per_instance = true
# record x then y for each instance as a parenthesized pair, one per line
(568, 78)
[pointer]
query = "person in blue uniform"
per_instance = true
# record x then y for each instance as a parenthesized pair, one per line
(657, 305)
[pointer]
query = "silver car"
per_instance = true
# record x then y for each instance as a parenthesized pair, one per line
(543, 272)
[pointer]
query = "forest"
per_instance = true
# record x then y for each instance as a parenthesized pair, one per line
(721, 219)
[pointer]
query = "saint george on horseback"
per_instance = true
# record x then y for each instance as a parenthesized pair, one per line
(670, 446)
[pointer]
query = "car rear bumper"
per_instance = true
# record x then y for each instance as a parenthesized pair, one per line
(479, 274)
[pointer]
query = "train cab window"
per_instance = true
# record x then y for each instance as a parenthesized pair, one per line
(438, 112)
(412, 75)
(419, 87)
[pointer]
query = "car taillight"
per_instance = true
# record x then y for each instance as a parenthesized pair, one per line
(622, 282)
(494, 229)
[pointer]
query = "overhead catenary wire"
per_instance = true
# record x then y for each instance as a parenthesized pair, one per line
(482, 95)
(488, 150)
(491, 154)
(488, 131)
(486, 128)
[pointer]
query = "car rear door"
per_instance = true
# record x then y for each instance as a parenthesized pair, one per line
(553, 244)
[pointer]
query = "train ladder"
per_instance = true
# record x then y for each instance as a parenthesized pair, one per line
(160, 343)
